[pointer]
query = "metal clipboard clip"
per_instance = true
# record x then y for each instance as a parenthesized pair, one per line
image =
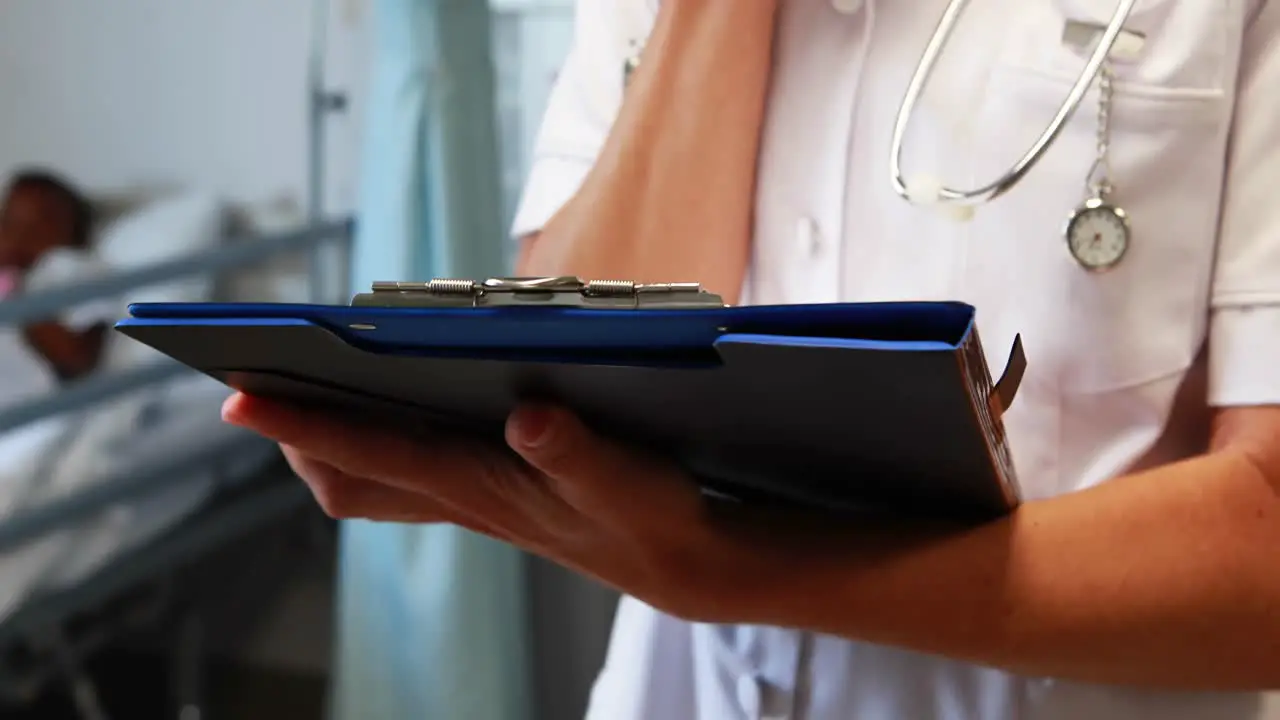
(564, 291)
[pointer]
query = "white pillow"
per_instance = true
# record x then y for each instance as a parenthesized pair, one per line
(165, 230)
(281, 278)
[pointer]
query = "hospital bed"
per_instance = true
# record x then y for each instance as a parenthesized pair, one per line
(111, 484)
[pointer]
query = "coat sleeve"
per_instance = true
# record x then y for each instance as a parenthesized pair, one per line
(583, 104)
(1244, 332)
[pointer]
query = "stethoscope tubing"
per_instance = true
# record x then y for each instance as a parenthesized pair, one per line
(920, 80)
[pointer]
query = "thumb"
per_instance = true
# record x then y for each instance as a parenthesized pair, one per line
(592, 473)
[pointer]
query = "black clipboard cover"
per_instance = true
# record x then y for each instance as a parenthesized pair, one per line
(845, 407)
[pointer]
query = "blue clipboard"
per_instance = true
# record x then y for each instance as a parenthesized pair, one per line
(844, 407)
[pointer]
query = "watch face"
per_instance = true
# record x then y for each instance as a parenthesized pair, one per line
(1098, 236)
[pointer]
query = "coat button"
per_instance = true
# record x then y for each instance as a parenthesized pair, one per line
(808, 237)
(749, 696)
(846, 7)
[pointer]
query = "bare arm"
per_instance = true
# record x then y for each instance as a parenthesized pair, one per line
(1163, 578)
(670, 197)
(72, 354)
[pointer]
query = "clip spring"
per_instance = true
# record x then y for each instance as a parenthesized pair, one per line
(562, 291)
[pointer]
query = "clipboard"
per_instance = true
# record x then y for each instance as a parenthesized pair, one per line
(844, 407)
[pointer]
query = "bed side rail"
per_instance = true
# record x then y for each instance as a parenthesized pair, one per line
(98, 387)
(232, 255)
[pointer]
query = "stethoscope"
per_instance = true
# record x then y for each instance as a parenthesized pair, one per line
(1097, 233)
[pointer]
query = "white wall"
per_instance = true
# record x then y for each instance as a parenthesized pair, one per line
(204, 93)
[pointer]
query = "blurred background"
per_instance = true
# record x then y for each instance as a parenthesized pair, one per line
(154, 563)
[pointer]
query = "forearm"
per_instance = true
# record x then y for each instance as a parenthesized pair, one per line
(680, 160)
(1165, 578)
(71, 354)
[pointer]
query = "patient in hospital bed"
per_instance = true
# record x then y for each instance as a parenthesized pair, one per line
(45, 241)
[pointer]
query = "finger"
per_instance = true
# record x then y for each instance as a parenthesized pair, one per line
(473, 480)
(595, 475)
(346, 497)
(442, 469)
(346, 445)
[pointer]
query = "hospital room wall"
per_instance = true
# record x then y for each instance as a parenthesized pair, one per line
(203, 94)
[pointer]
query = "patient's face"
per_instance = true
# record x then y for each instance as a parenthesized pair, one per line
(33, 221)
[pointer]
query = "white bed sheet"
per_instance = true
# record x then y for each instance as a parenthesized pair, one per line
(61, 456)
(140, 431)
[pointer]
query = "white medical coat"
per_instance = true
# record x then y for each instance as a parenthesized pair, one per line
(1123, 365)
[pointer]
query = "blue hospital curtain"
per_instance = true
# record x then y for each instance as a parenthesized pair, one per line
(431, 620)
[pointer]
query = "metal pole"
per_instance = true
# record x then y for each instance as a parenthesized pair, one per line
(320, 103)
